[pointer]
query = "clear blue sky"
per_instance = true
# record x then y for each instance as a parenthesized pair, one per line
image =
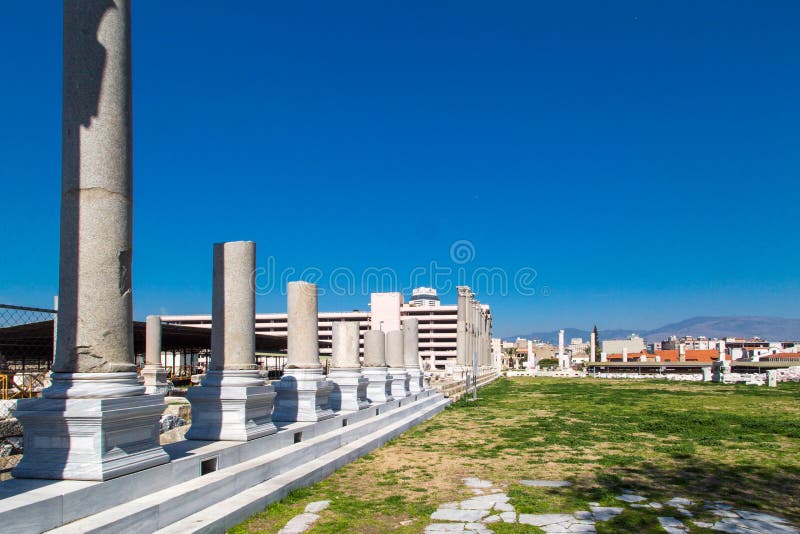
(643, 159)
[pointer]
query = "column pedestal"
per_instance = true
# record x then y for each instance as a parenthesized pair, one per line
(303, 396)
(155, 380)
(399, 382)
(349, 390)
(379, 389)
(233, 405)
(75, 434)
(415, 380)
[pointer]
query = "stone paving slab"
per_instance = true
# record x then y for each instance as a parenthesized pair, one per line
(316, 507)
(630, 497)
(539, 520)
(448, 514)
(298, 524)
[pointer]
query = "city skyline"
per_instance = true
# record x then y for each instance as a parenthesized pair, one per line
(633, 157)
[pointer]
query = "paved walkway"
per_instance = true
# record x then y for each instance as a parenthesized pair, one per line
(491, 505)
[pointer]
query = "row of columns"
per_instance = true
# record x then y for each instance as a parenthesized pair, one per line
(96, 421)
(473, 331)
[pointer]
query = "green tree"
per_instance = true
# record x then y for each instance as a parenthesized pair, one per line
(596, 354)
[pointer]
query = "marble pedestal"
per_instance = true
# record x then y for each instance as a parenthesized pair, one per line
(349, 389)
(231, 406)
(155, 380)
(75, 437)
(303, 396)
(379, 389)
(399, 382)
(415, 377)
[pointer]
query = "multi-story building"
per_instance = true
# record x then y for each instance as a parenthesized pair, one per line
(632, 344)
(437, 324)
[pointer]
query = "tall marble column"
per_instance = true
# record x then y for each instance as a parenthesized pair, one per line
(461, 327)
(94, 422)
(153, 373)
(592, 347)
(396, 362)
(411, 355)
(722, 356)
(234, 403)
(303, 392)
(349, 386)
(379, 388)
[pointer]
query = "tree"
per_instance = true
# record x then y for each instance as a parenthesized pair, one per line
(596, 354)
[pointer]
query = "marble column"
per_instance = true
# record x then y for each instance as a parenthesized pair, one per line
(681, 352)
(603, 357)
(461, 326)
(349, 386)
(624, 354)
(411, 355)
(154, 373)
(234, 403)
(303, 392)
(722, 355)
(396, 362)
(379, 388)
(94, 422)
(592, 347)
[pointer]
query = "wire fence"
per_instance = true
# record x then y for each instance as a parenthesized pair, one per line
(26, 350)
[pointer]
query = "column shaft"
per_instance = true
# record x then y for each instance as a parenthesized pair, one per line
(95, 328)
(303, 342)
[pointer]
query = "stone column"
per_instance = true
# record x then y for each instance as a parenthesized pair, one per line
(94, 422)
(461, 327)
(592, 347)
(303, 392)
(396, 362)
(154, 374)
(411, 355)
(379, 389)
(624, 354)
(722, 355)
(681, 352)
(603, 357)
(234, 403)
(349, 387)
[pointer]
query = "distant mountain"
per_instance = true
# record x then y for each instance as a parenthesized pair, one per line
(771, 328)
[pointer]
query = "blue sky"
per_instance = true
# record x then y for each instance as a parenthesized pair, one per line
(641, 159)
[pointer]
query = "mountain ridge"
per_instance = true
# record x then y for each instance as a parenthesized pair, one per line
(770, 328)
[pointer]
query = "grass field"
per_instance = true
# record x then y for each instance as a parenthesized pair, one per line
(703, 441)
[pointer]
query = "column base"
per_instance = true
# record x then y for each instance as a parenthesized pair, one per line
(231, 406)
(415, 382)
(379, 389)
(303, 396)
(155, 380)
(90, 439)
(399, 382)
(349, 390)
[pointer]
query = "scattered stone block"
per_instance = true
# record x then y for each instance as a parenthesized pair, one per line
(492, 519)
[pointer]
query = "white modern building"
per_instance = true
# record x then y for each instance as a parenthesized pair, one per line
(632, 345)
(438, 324)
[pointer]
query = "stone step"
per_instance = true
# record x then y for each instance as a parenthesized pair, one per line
(162, 508)
(232, 511)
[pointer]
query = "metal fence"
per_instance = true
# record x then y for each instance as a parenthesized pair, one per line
(26, 338)
(26, 350)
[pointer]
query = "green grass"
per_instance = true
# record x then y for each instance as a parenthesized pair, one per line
(740, 444)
